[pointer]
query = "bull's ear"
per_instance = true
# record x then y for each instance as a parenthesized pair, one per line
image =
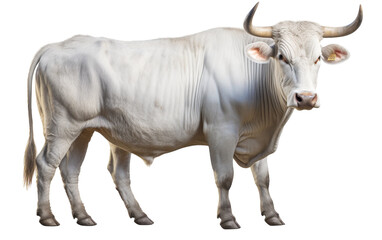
(259, 52)
(334, 53)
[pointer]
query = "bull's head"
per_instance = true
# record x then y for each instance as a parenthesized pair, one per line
(298, 53)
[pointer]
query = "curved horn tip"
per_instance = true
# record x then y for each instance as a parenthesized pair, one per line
(248, 20)
(255, 7)
(360, 12)
(330, 32)
(265, 32)
(257, 4)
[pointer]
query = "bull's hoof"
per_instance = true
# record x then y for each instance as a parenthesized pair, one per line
(144, 220)
(274, 221)
(230, 224)
(86, 222)
(49, 222)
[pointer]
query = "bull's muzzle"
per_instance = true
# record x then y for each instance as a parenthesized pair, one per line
(305, 100)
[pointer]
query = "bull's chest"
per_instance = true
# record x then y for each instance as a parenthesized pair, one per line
(254, 145)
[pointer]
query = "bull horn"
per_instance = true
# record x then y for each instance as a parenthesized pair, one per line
(265, 32)
(329, 32)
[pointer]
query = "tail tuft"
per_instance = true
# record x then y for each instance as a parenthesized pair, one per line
(29, 162)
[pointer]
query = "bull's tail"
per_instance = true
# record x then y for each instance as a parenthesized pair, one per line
(30, 151)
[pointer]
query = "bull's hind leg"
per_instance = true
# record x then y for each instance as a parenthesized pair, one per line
(47, 161)
(119, 168)
(70, 169)
(261, 176)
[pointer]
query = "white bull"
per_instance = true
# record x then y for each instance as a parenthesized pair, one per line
(223, 88)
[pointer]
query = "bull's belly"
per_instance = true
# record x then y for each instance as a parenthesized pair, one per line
(149, 137)
(148, 146)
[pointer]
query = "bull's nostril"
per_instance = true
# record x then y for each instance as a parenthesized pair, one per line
(298, 98)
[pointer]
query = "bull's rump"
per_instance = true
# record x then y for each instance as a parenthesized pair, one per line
(141, 95)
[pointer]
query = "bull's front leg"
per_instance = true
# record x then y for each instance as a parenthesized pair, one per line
(261, 176)
(222, 144)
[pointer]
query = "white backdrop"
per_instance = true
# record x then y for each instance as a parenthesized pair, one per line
(325, 176)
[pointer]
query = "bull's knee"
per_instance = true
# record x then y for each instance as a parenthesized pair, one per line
(45, 168)
(224, 180)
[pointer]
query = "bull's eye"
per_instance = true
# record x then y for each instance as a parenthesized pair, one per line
(318, 59)
(282, 58)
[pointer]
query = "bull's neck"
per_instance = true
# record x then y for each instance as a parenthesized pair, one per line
(269, 102)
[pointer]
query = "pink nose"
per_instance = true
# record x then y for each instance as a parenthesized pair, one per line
(305, 100)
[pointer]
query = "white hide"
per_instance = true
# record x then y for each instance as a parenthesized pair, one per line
(222, 88)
